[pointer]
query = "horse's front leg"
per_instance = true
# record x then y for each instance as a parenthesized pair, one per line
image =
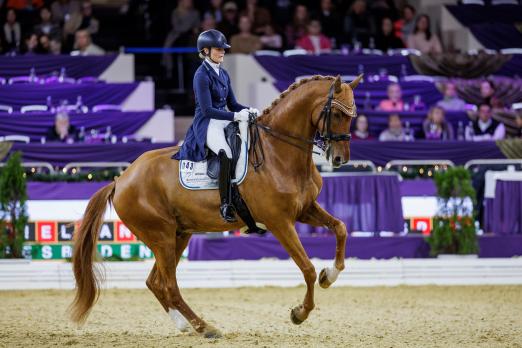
(318, 217)
(287, 236)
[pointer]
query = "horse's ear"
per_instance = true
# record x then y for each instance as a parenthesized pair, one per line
(355, 82)
(337, 84)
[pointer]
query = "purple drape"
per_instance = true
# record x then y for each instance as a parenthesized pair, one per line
(362, 202)
(47, 64)
(255, 248)
(63, 190)
(92, 94)
(377, 91)
(59, 154)
(288, 68)
(503, 214)
(418, 188)
(378, 152)
(36, 125)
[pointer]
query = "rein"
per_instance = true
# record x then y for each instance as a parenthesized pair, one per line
(298, 141)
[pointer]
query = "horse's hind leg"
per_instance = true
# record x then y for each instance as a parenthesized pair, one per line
(317, 216)
(287, 236)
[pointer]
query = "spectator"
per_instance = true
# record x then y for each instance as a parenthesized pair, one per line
(44, 44)
(245, 41)
(394, 132)
(315, 42)
(270, 39)
(297, 29)
(361, 129)
(404, 26)
(485, 127)
(228, 25)
(208, 23)
(259, 16)
(386, 39)
(435, 126)
(31, 44)
(451, 102)
(329, 19)
(55, 46)
(62, 130)
(12, 32)
(85, 46)
(62, 10)
(486, 91)
(358, 24)
(214, 10)
(394, 101)
(518, 120)
(83, 20)
(422, 39)
(47, 26)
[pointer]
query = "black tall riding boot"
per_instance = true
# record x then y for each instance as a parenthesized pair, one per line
(227, 209)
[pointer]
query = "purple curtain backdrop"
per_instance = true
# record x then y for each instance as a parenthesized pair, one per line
(512, 67)
(36, 125)
(288, 68)
(363, 202)
(378, 152)
(377, 90)
(202, 248)
(503, 214)
(92, 94)
(59, 154)
(47, 64)
(63, 190)
(418, 188)
(378, 120)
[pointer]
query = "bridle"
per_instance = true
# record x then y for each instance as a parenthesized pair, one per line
(322, 139)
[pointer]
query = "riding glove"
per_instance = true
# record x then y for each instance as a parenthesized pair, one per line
(242, 116)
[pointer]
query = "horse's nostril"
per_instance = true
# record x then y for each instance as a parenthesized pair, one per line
(337, 159)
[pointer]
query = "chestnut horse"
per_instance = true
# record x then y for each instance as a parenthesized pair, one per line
(282, 190)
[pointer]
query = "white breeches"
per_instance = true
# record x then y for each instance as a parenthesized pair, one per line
(216, 136)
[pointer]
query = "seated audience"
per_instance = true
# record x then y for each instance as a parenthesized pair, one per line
(62, 10)
(24, 4)
(487, 91)
(359, 23)
(46, 25)
(394, 101)
(85, 46)
(435, 126)
(330, 19)
(82, 20)
(395, 132)
(361, 129)
(386, 39)
(314, 42)
(12, 33)
(422, 38)
(270, 39)
(245, 41)
(404, 26)
(451, 102)
(214, 10)
(297, 29)
(228, 25)
(258, 15)
(31, 45)
(485, 127)
(62, 130)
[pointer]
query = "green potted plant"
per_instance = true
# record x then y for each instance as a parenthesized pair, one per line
(13, 197)
(454, 228)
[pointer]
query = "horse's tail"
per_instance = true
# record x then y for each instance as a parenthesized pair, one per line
(87, 278)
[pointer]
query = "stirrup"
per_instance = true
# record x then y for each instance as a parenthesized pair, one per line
(227, 212)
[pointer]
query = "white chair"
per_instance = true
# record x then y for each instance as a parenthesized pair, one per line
(516, 106)
(3, 81)
(295, 52)
(482, 50)
(372, 51)
(504, 2)
(34, 108)
(24, 79)
(473, 2)
(17, 138)
(425, 78)
(404, 52)
(106, 107)
(267, 53)
(6, 108)
(511, 51)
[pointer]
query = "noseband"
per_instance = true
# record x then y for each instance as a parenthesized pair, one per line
(323, 139)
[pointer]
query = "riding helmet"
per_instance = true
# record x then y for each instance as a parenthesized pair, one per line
(212, 38)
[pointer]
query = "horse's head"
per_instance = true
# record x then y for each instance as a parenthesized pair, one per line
(333, 118)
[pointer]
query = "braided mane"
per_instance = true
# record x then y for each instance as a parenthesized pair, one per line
(293, 86)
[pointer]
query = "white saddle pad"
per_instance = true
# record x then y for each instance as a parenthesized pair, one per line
(193, 175)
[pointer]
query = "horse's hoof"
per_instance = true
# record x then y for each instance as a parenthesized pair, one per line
(293, 316)
(323, 279)
(212, 332)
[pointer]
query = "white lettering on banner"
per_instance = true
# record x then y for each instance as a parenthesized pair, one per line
(105, 232)
(421, 226)
(124, 232)
(47, 252)
(144, 252)
(106, 251)
(125, 251)
(26, 232)
(63, 233)
(46, 232)
(66, 251)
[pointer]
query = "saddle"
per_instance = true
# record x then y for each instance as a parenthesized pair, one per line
(194, 176)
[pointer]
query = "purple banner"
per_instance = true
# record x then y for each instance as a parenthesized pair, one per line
(503, 214)
(202, 248)
(36, 125)
(76, 67)
(63, 190)
(18, 95)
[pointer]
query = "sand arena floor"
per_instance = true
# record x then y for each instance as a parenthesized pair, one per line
(475, 316)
